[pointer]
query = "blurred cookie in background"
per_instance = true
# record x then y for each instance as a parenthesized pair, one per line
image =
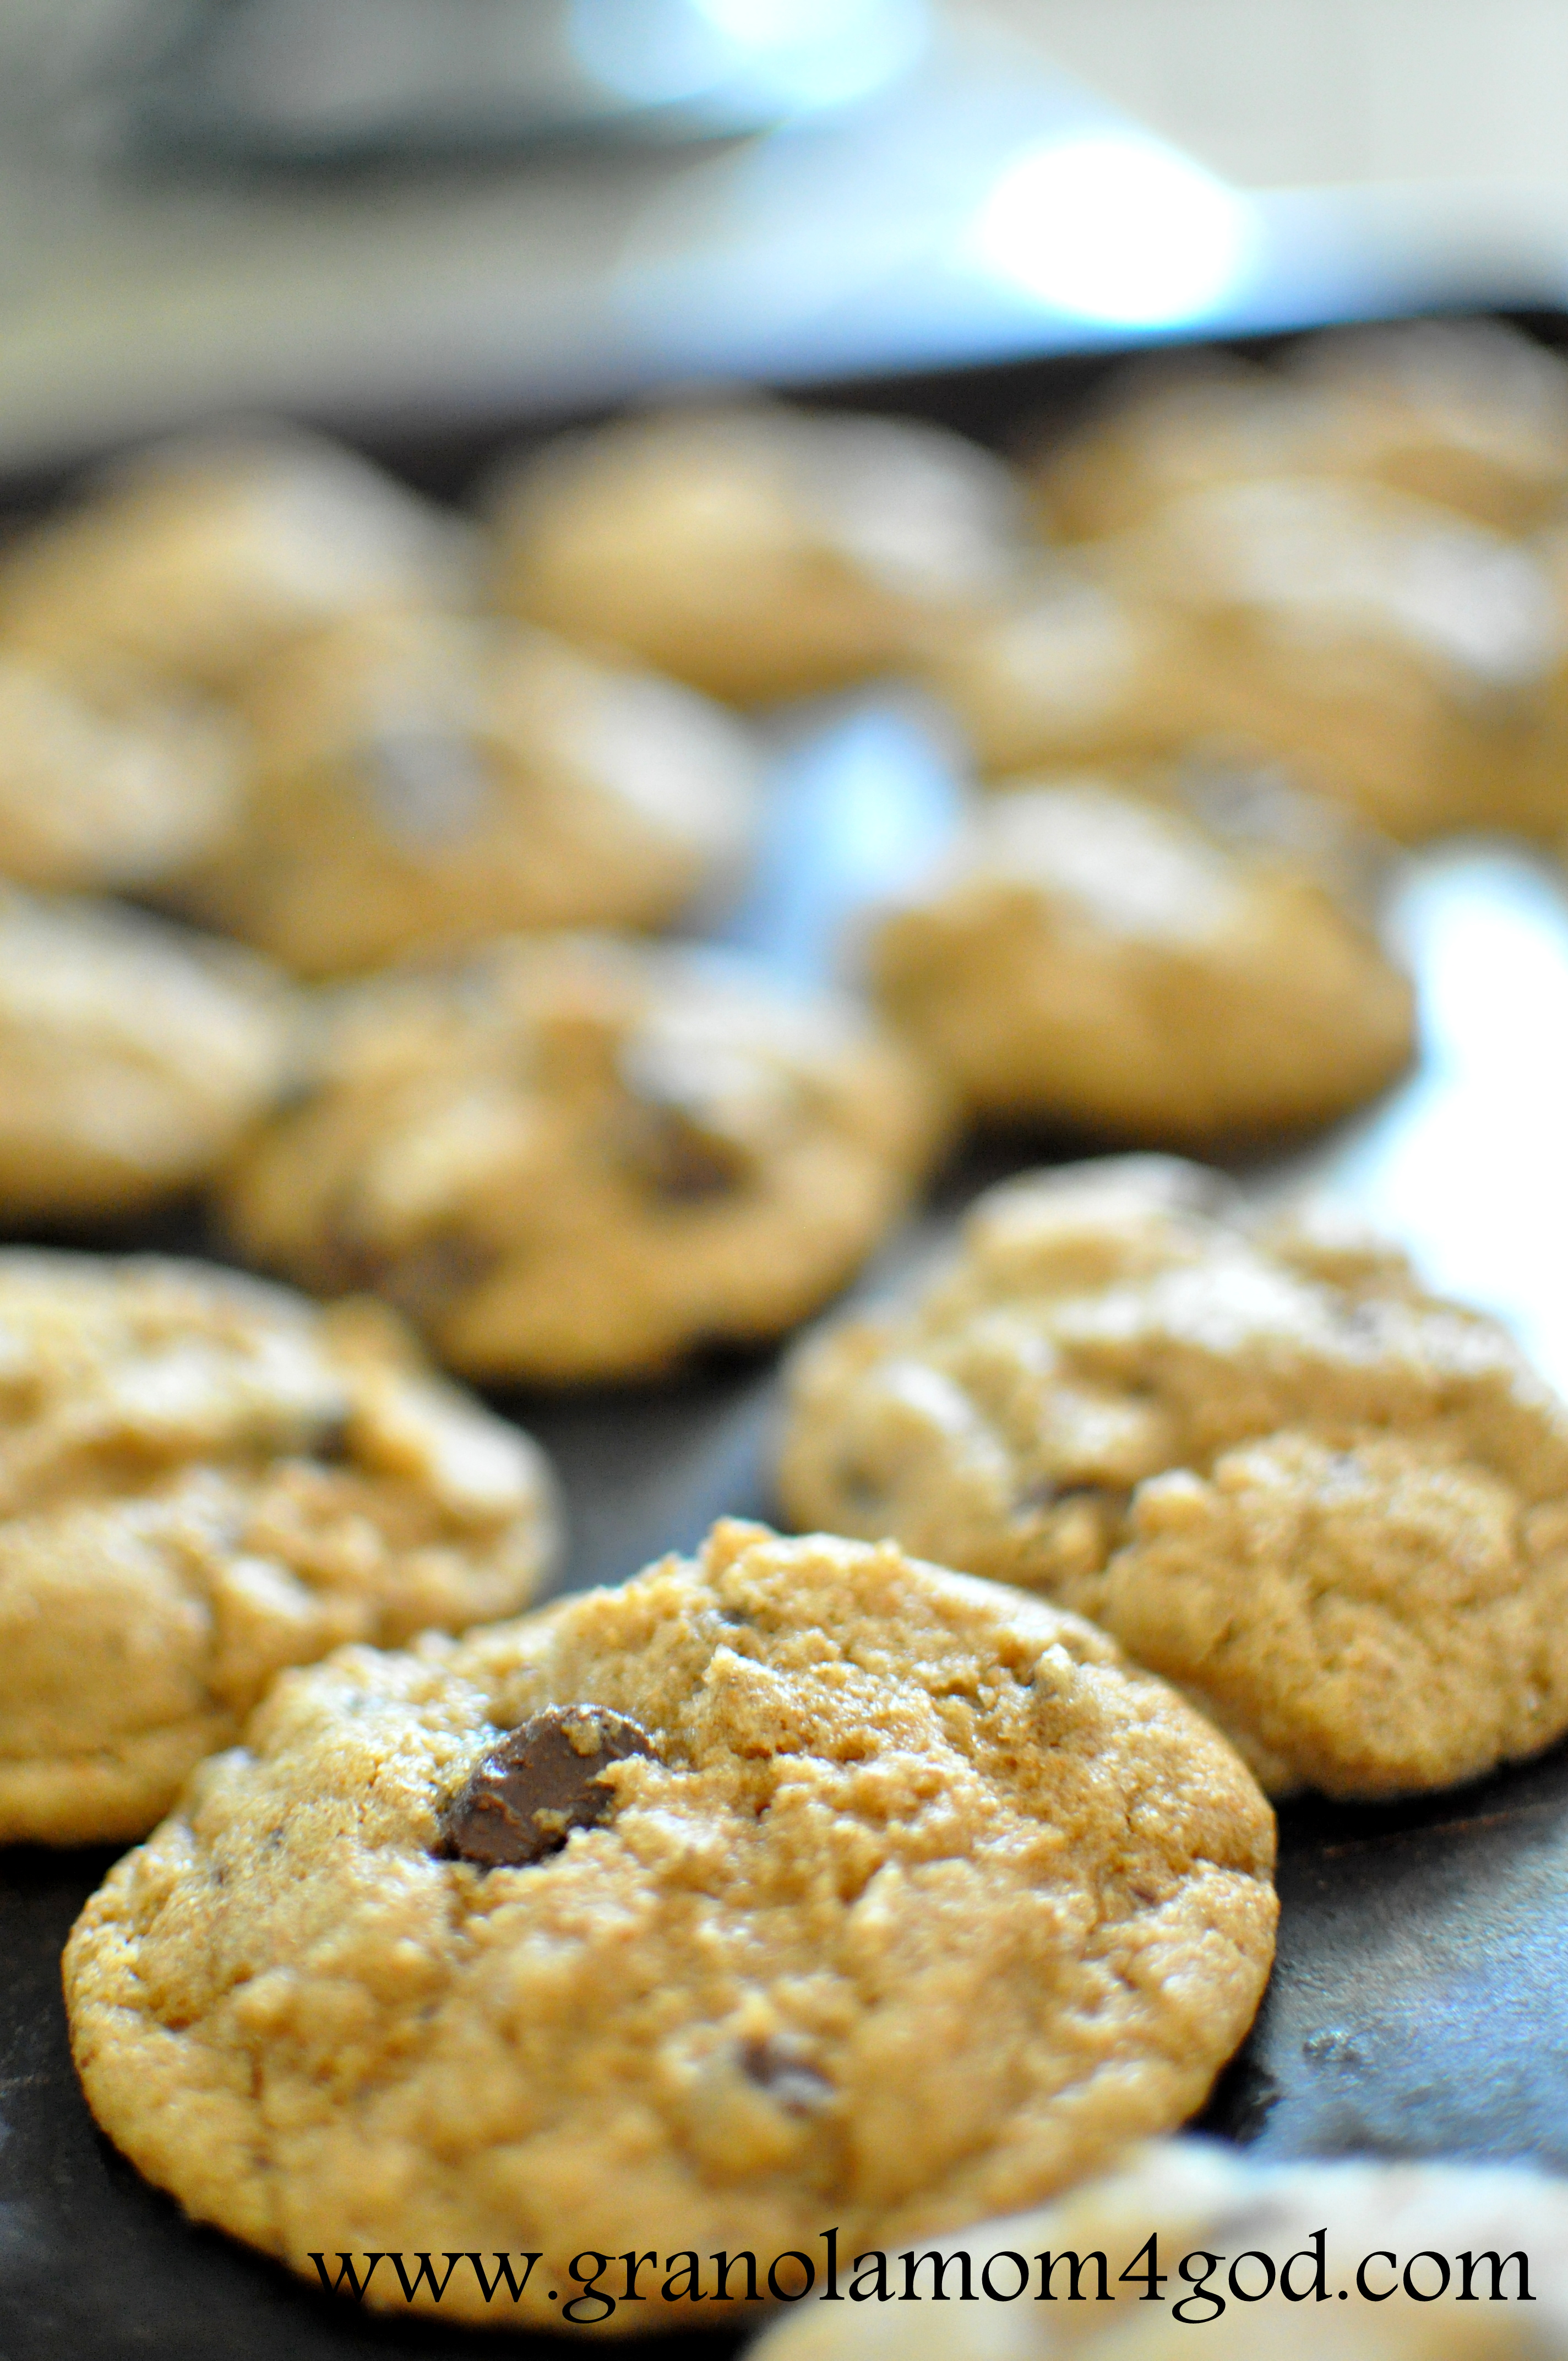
(205, 1479)
(195, 561)
(572, 1157)
(421, 779)
(1394, 652)
(133, 1055)
(1330, 1507)
(1244, 2249)
(758, 551)
(101, 792)
(1095, 954)
(1072, 667)
(1166, 427)
(1469, 413)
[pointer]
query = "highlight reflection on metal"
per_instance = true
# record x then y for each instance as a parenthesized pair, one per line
(1112, 227)
(1465, 1165)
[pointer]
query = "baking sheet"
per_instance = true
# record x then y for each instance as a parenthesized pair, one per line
(1416, 2003)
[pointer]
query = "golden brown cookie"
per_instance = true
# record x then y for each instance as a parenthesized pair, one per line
(1394, 653)
(758, 551)
(203, 1479)
(197, 559)
(1332, 1508)
(1096, 956)
(1470, 412)
(572, 1157)
(1164, 428)
(102, 792)
(1072, 668)
(877, 1897)
(1434, 2262)
(133, 1055)
(421, 780)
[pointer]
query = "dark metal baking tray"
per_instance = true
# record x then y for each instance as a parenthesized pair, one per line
(1415, 2004)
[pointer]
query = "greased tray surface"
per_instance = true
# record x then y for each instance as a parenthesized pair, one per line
(1415, 2004)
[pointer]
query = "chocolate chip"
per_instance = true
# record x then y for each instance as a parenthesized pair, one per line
(523, 1800)
(777, 2064)
(671, 1132)
(679, 1160)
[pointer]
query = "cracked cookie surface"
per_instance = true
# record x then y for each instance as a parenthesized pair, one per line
(1332, 1508)
(573, 1157)
(202, 1480)
(921, 1904)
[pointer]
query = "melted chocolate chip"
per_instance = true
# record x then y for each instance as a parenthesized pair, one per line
(778, 2066)
(522, 1801)
(679, 1160)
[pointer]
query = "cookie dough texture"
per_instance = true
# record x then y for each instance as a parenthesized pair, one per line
(199, 559)
(133, 1055)
(1331, 1509)
(927, 1905)
(419, 779)
(573, 1157)
(1395, 654)
(203, 1479)
(1096, 956)
(1205, 2202)
(102, 792)
(758, 552)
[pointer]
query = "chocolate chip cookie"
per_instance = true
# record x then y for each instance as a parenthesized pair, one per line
(758, 552)
(418, 780)
(1236, 2252)
(820, 1886)
(133, 1055)
(1091, 956)
(198, 559)
(573, 1157)
(202, 1480)
(1334, 1509)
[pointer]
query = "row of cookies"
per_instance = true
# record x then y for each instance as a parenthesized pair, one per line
(808, 1876)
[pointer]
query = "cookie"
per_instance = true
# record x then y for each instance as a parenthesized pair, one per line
(1396, 655)
(572, 1157)
(1236, 2254)
(1332, 1508)
(103, 792)
(877, 1897)
(203, 1479)
(133, 1055)
(1094, 957)
(758, 552)
(197, 560)
(1070, 669)
(1470, 412)
(423, 780)
(1164, 428)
